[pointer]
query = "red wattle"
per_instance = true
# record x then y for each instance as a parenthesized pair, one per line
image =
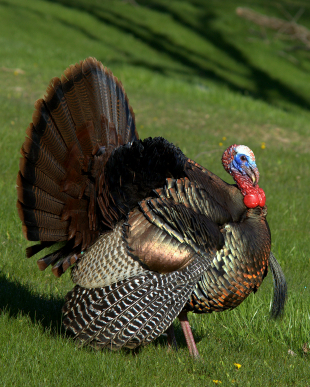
(253, 195)
(251, 200)
(262, 197)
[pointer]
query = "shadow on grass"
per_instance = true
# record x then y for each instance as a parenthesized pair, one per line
(17, 299)
(198, 63)
(193, 62)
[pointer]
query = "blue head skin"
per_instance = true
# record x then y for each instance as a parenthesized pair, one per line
(243, 163)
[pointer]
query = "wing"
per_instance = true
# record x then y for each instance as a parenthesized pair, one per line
(132, 312)
(161, 235)
(170, 244)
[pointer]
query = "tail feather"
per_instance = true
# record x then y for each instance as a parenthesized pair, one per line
(76, 95)
(43, 219)
(36, 179)
(39, 199)
(42, 159)
(43, 234)
(49, 138)
(98, 95)
(44, 131)
(62, 258)
(57, 106)
(34, 249)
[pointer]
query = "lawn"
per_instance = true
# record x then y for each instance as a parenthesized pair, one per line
(203, 78)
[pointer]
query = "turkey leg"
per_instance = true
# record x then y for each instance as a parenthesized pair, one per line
(193, 351)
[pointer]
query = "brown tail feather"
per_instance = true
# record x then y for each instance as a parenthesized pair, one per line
(76, 96)
(37, 179)
(34, 249)
(98, 95)
(42, 130)
(38, 199)
(56, 103)
(82, 118)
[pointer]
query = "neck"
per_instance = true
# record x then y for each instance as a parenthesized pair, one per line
(244, 183)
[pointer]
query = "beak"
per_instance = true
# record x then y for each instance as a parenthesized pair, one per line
(253, 173)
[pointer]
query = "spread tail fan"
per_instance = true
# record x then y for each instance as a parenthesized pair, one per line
(82, 118)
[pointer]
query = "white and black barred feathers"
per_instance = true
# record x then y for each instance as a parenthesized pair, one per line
(131, 312)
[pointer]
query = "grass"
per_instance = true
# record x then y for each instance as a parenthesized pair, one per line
(194, 74)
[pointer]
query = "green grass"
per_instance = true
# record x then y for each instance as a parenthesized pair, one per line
(194, 74)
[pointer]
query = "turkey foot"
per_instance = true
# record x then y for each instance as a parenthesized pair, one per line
(172, 343)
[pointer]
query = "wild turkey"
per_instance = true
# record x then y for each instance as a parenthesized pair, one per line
(150, 232)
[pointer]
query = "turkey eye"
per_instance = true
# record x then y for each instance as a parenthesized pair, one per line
(243, 158)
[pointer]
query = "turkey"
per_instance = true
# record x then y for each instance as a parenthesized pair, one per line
(149, 234)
